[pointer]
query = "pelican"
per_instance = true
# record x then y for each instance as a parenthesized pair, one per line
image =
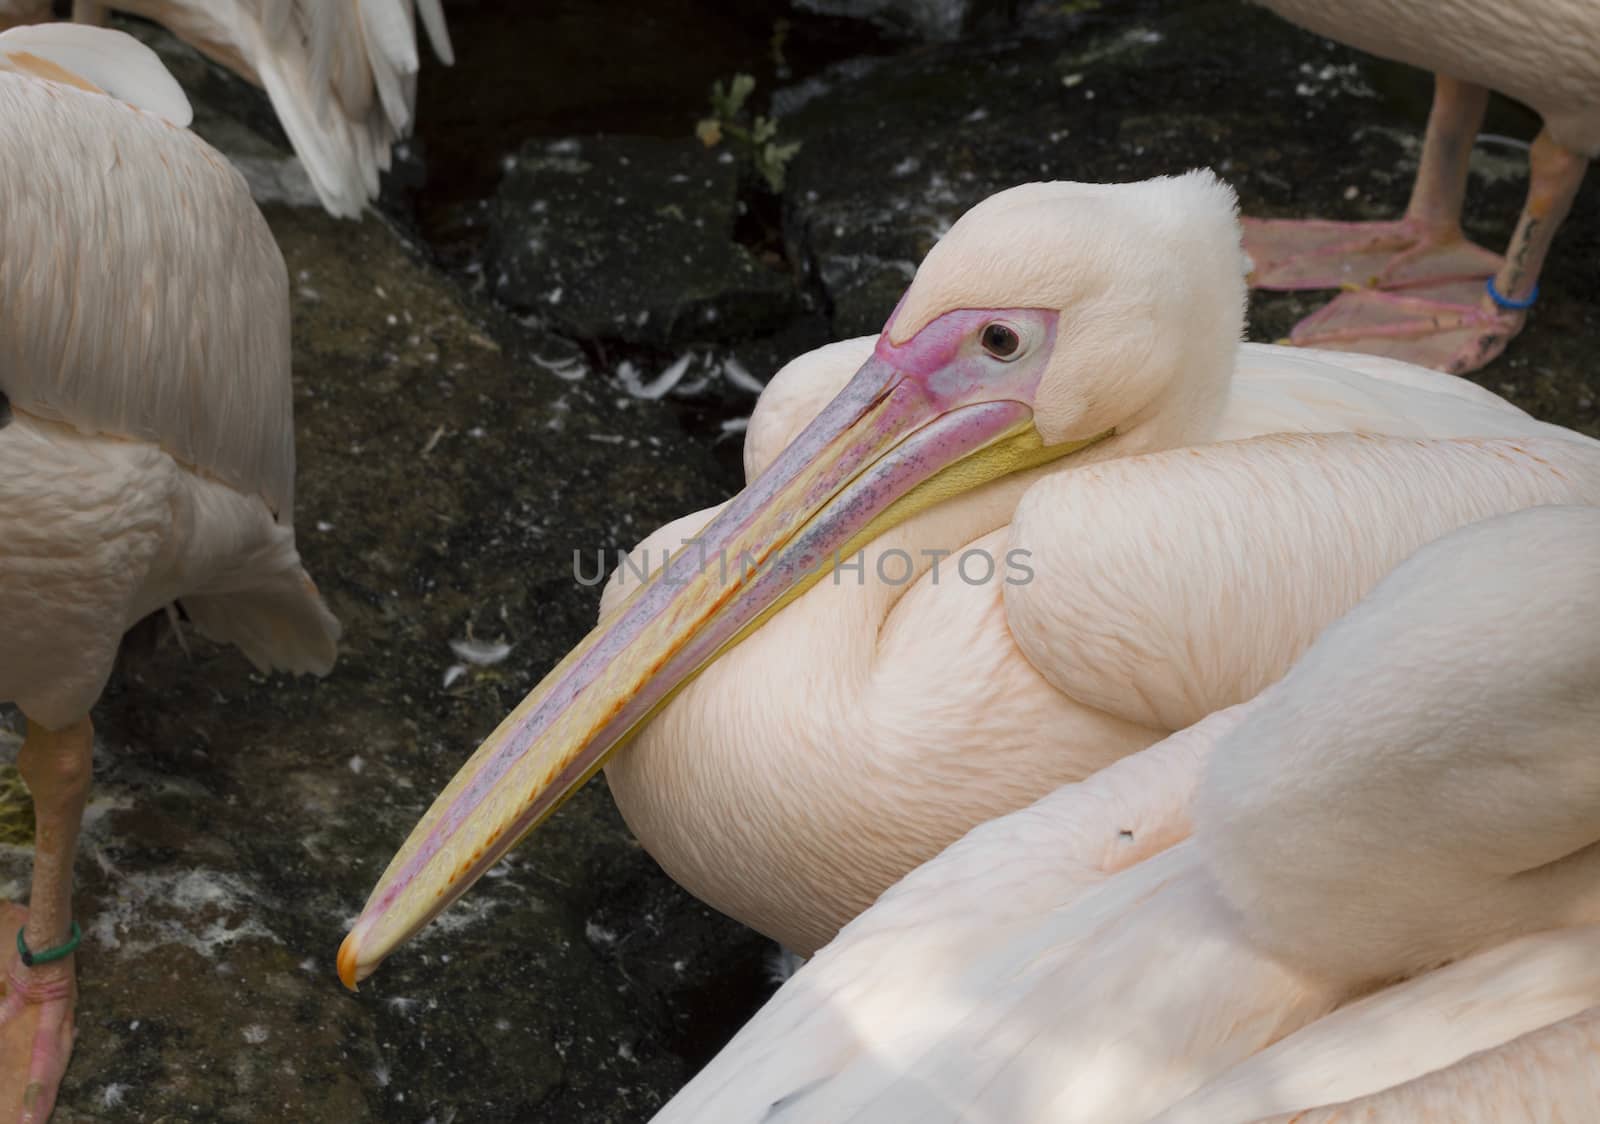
(1418, 799)
(146, 449)
(341, 74)
(1064, 379)
(1421, 291)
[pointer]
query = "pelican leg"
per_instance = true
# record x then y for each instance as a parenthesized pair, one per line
(1458, 326)
(1425, 246)
(1554, 176)
(36, 1003)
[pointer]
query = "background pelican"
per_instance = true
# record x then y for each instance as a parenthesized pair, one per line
(341, 74)
(1180, 562)
(146, 456)
(1420, 789)
(1421, 286)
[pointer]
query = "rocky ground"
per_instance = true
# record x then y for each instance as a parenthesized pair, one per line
(486, 385)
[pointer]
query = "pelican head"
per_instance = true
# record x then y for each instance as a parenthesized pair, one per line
(1050, 318)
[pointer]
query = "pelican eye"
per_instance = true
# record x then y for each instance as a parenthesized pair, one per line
(1001, 340)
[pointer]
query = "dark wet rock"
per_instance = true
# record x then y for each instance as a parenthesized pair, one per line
(895, 150)
(631, 238)
(923, 19)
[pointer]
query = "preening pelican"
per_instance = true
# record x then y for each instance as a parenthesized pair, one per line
(341, 74)
(146, 457)
(1424, 293)
(1063, 378)
(1421, 789)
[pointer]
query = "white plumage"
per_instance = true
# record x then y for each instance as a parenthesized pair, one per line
(88, 337)
(1420, 788)
(341, 74)
(1178, 567)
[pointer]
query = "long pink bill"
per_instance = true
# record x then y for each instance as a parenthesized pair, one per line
(911, 412)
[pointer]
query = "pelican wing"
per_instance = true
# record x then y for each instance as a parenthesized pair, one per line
(141, 292)
(1173, 584)
(1477, 1008)
(341, 75)
(343, 78)
(432, 13)
(921, 960)
(1011, 979)
(96, 58)
(1287, 390)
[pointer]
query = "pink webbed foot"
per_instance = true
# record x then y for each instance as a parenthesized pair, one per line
(1317, 254)
(36, 1027)
(1452, 327)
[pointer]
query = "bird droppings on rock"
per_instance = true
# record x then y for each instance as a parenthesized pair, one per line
(202, 910)
(480, 653)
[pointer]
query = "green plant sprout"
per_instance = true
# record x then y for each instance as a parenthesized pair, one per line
(756, 141)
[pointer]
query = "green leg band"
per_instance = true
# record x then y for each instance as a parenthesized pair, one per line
(60, 952)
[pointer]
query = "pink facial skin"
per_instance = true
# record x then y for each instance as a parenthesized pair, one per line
(947, 360)
(943, 397)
